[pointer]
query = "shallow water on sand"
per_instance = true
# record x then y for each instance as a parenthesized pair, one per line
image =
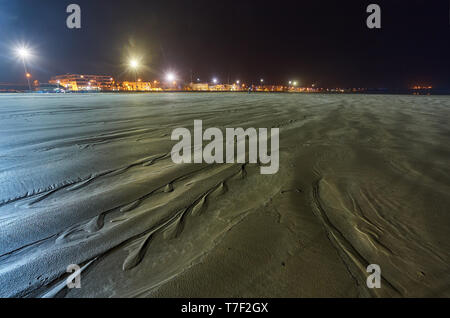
(88, 180)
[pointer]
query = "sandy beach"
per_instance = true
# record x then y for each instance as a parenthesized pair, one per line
(88, 179)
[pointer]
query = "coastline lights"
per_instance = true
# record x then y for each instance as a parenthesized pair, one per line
(293, 83)
(215, 80)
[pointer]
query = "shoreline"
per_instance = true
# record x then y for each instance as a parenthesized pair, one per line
(441, 92)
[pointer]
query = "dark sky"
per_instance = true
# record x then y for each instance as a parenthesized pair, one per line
(326, 42)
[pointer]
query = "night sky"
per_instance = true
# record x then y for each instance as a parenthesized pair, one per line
(323, 42)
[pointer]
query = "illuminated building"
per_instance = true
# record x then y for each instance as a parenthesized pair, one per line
(418, 87)
(218, 87)
(140, 86)
(274, 88)
(199, 86)
(76, 82)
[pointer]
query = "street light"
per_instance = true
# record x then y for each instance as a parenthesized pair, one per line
(134, 65)
(170, 77)
(215, 80)
(24, 53)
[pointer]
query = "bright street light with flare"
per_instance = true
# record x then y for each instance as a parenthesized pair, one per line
(170, 77)
(24, 53)
(134, 64)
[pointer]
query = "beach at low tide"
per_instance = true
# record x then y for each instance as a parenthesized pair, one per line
(88, 179)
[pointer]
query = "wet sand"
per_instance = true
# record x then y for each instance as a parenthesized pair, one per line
(88, 180)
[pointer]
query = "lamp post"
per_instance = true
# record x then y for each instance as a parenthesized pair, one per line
(134, 65)
(23, 53)
(171, 80)
(170, 77)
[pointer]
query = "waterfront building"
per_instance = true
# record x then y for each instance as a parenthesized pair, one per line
(198, 87)
(78, 82)
(140, 86)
